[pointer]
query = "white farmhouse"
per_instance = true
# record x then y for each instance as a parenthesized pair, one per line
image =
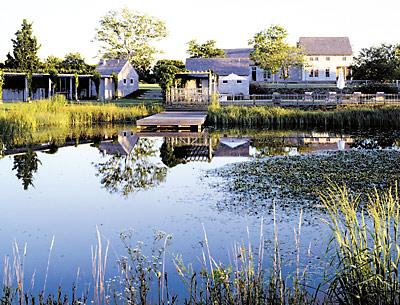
(325, 57)
(128, 79)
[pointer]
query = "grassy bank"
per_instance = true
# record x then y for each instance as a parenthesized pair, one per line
(19, 119)
(276, 117)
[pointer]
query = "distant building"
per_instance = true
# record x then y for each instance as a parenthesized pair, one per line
(325, 57)
(232, 73)
(128, 78)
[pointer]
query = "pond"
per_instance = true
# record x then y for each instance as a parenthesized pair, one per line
(53, 197)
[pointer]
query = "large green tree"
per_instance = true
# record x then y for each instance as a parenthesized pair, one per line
(380, 63)
(272, 52)
(165, 71)
(131, 35)
(25, 49)
(205, 50)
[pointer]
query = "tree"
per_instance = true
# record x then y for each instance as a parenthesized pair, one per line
(272, 52)
(165, 71)
(205, 50)
(381, 63)
(129, 34)
(25, 48)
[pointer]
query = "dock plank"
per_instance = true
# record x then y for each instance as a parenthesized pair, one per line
(175, 119)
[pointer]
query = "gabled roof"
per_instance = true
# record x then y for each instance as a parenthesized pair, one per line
(238, 53)
(106, 67)
(326, 45)
(220, 66)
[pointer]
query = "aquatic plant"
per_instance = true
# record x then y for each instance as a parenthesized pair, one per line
(297, 181)
(276, 117)
(17, 119)
(367, 246)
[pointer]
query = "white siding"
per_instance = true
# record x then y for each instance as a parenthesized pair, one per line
(128, 81)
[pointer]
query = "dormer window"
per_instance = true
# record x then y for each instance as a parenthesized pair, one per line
(344, 58)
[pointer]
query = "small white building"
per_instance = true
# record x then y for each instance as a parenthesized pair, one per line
(128, 79)
(232, 73)
(234, 84)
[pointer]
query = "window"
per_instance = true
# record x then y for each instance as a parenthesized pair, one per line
(316, 58)
(239, 81)
(132, 81)
(344, 58)
(328, 58)
(311, 58)
(311, 73)
(327, 73)
(124, 81)
(267, 74)
(224, 81)
(316, 73)
(254, 73)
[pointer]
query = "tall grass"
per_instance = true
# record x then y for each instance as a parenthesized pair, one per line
(276, 117)
(368, 250)
(19, 118)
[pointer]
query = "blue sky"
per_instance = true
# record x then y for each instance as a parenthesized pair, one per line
(68, 26)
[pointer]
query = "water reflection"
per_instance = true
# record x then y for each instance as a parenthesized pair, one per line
(26, 165)
(133, 165)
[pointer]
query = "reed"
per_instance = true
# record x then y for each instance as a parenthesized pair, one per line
(20, 118)
(368, 252)
(276, 117)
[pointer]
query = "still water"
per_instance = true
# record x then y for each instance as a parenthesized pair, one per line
(146, 183)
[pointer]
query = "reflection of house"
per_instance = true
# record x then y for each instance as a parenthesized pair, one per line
(127, 77)
(233, 147)
(122, 147)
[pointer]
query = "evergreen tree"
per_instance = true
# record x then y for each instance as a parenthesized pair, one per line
(25, 48)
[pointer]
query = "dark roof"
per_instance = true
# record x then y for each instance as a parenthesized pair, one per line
(326, 45)
(220, 66)
(110, 66)
(238, 53)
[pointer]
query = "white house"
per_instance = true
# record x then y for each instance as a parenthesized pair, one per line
(232, 73)
(128, 78)
(325, 57)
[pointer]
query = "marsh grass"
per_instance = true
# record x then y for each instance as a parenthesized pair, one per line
(368, 252)
(20, 118)
(276, 117)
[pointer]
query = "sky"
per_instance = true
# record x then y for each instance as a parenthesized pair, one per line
(69, 25)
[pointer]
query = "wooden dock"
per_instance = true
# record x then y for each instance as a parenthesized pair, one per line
(178, 121)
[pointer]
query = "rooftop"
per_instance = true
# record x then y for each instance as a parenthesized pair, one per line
(110, 66)
(220, 66)
(326, 45)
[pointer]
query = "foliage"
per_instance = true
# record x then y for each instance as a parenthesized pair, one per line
(114, 77)
(71, 64)
(272, 52)
(165, 71)
(381, 63)
(26, 165)
(205, 50)
(131, 35)
(368, 252)
(1, 84)
(25, 48)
